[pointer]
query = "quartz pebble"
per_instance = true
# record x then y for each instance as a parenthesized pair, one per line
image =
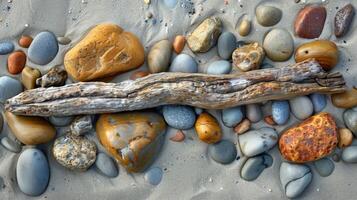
(347, 99)
(319, 101)
(32, 172)
(29, 76)
(248, 57)
(255, 142)
(56, 76)
(324, 167)
(184, 63)
(81, 125)
(9, 87)
(343, 20)
(345, 138)
(6, 47)
(25, 41)
(254, 166)
(11, 145)
(219, 67)
(242, 127)
(178, 137)
(310, 21)
(301, 107)
(268, 15)
(280, 111)
(223, 152)
(254, 112)
(232, 116)
(350, 119)
(179, 117)
(153, 175)
(278, 45)
(179, 43)
(138, 74)
(208, 129)
(16, 62)
(63, 40)
(244, 27)
(226, 45)
(159, 56)
(349, 154)
(43, 48)
(61, 121)
(106, 165)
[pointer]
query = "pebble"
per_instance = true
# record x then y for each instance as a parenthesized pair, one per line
(324, 167)
(242, 127)
(345, 138)
(9, 87)
(153, 175)
(63, 40)
(159, 56)
(294, 178)
(208, 129)
(219, 67)
(248, 57)
(278, 45)
(198, 111)
(254, 112)
(138, 74)
(74, 152)
(29, 76)
(25, 41)
(6, 47)
(349, 154)
(170, 3)
(269, 120)
(280, 111)
(178, 137)
(179, 117)
(184, 63)
(301, 107)
(310, 21)
(268, 15)
(350, 119)
(223, 152)
(11, 145)
(255, 142)
(232, 116)
(32, 172)
(106, 165)
(43, 48)
(226, 45)
(343, 20)
(56, 76)
(81, 125)
(347, 99)
(60, 121)
(16, 62)
(244, 27)
(179, 43)
(254, 166)
(319, 101)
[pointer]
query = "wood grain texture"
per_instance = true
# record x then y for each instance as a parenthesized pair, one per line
(199, 90)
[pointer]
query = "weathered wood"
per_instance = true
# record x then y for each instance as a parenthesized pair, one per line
(199, 90)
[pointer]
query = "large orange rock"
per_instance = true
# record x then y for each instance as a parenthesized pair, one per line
(106, 50)
(314, 138)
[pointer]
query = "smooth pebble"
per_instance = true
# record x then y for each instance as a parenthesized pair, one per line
(219, 67)
(254, 166)
(43, 48)
(255, 142)
(232, 116)
(63, 40)
(6, 47)
(349, 154)
(324, 167)
(301, 107)
(11, 145)
(223, 152)
(280, 111)
(106, 165)
(319, 101)
(226, 45)
(61, 121)
(268, 15)
(179, 117)
(184, 63)
(278, 45)
(153, 175)
(350, 119)
(9, 87)
(254, 112)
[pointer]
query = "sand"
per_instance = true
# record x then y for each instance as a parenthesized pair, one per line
(188, 172)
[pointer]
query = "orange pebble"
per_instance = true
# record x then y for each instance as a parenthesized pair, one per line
(16, 62)
(178, 137)
(179, 43)
(25, 41)
(269, 120)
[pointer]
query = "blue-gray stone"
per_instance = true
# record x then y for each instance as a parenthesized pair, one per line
(61, 121)
(254, 166)
(255, 142)
(223, 152)
(232, 116)
(280, 111)
(349, 154)
(184, 63)
(266, 66)
(170, 3)
(219, 67)
(301, 107)
(198, 111)
(350, 119)
(319, 101)
(11, 145)
(43, 48)
(254, 112)
(240, 44)
(226, 45)
(6, 47)
(106, 165)
(32, 172)
(179, 117)
(153, 175)
(9, 87)
(324, 167)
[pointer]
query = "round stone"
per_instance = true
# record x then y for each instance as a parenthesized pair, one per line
(324, 167)
(223, 152)
(11, 145)
(226, 45)
(349, 154)
(268, 15)
(255, 142)
(219, 67)
(6, 47)
(319, 102)
(280, 111)
(184, 63)
(16, 62)
(350, 119)
(232, 116)
(61, 121)
(301, 107)
(32, 172)
(9, 87)
(179, 117)
(106, 165)
(254, 113)
(254, 166)
(43, 48)
(25, 41)
(278, 45)
(153, 175)
(159, 56)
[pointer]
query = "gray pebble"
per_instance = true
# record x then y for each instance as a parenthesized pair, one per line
(43, 48)
(6, 47)
(179, 117)
(254, 113)
(226, 45)
(9, 87)
(324, 167)
(198, 111)
(278, 45)
(301, 107)
(61, 121)
(319, 101)
(63, 40)
(268, 15)
(232, 116)
(349, 154)
(219, 67)
(223, 152)
(254, 166)
(106, 165)
(350, 119)
(11, 145)
(255, 142)
(153, 175)
(184, 63)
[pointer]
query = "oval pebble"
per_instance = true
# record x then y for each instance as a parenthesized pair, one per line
(254, 113)
(43, 48)
(9, 87)
(63, 40)
(255, 142)
(11, 145)
(223, 152)
(301, 107)
(25, 41)
(153, 175)
(184, 63)
(106, 165)
(349, 154)
(232, 116)
(254, 166)
(324, 167)
(179, 43)
(6, 47)
(268, 15)
(278, 45)
(32, 172)
(319, 102)
(61, 121)
(280, 111)
(179, 117)
(16, 62)
(158, 58)
(219, 67)
(226, 45)
(350, 119)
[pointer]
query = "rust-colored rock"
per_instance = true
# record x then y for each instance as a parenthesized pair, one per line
(179, 43)
(314, 138)
(343, 20)
(346, 99)
(25, 41)
(208, 129)
(138, 74)
(269, 120)
(16, 62)
(310, 21)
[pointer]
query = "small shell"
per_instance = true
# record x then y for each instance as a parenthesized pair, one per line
(208, 129)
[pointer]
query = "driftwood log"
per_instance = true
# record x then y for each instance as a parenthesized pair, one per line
(199, 90)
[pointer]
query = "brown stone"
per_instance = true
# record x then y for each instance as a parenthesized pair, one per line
(179, 43)
(138, 74)
(30, 130)
(29, 76)
(345, 138)
(346, 99)
(343, 20)
(313, 139)
(25, 41)
(178, 137)
(16, 62)
(106, 50)
(208, 129)
(310, 21)
(269, 120)
(56, 76)
(242, 127)
(248, 57)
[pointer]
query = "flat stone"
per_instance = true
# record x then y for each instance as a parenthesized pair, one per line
(179, 117)
(343, 20)
(223, 152)
(244, 27)
(347, 99)
(345, 138)
(6, 47)
(63, 40)
(254, 166)
(242, 127)
(310, 21)
(179, 43)
(43, 48)
(25, 41)
(11, 145)
(226, 45)
(81, 125)
(324, 167)
(255, 142)
(106, 165)
(9, 87)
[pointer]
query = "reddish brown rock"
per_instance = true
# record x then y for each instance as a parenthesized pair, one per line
(314, 138)
(310, 21)
(16, 62)
(25, 41)
(178, 137)
(269, 120)
(179, 43)
(138, 74)
(343, 20)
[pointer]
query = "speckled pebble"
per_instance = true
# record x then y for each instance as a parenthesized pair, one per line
(154, 175)
(43, 48)
(6, 47)
(254, 166)
(232, 116)
(11, 145)
(61, 121)
(349, 154)
(254, 112)
(179, 117)
(324, 167)
(223, 152)
(226, 45)
(106, 165)
(301, 107)
(184, 63)
(9, 87)
(219, 67)
(280, 111)
(255, 142)
(319, 101)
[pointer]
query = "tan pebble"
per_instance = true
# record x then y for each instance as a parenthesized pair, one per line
(16, 62)
(178, 137)
(63, 40)
(347, 99)
(138, 74)
(242, 127)
(179, 43)
(345, 137)
(244, 27)
(269, 120)
(208, 129)
(29, 76)
(25, 41)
